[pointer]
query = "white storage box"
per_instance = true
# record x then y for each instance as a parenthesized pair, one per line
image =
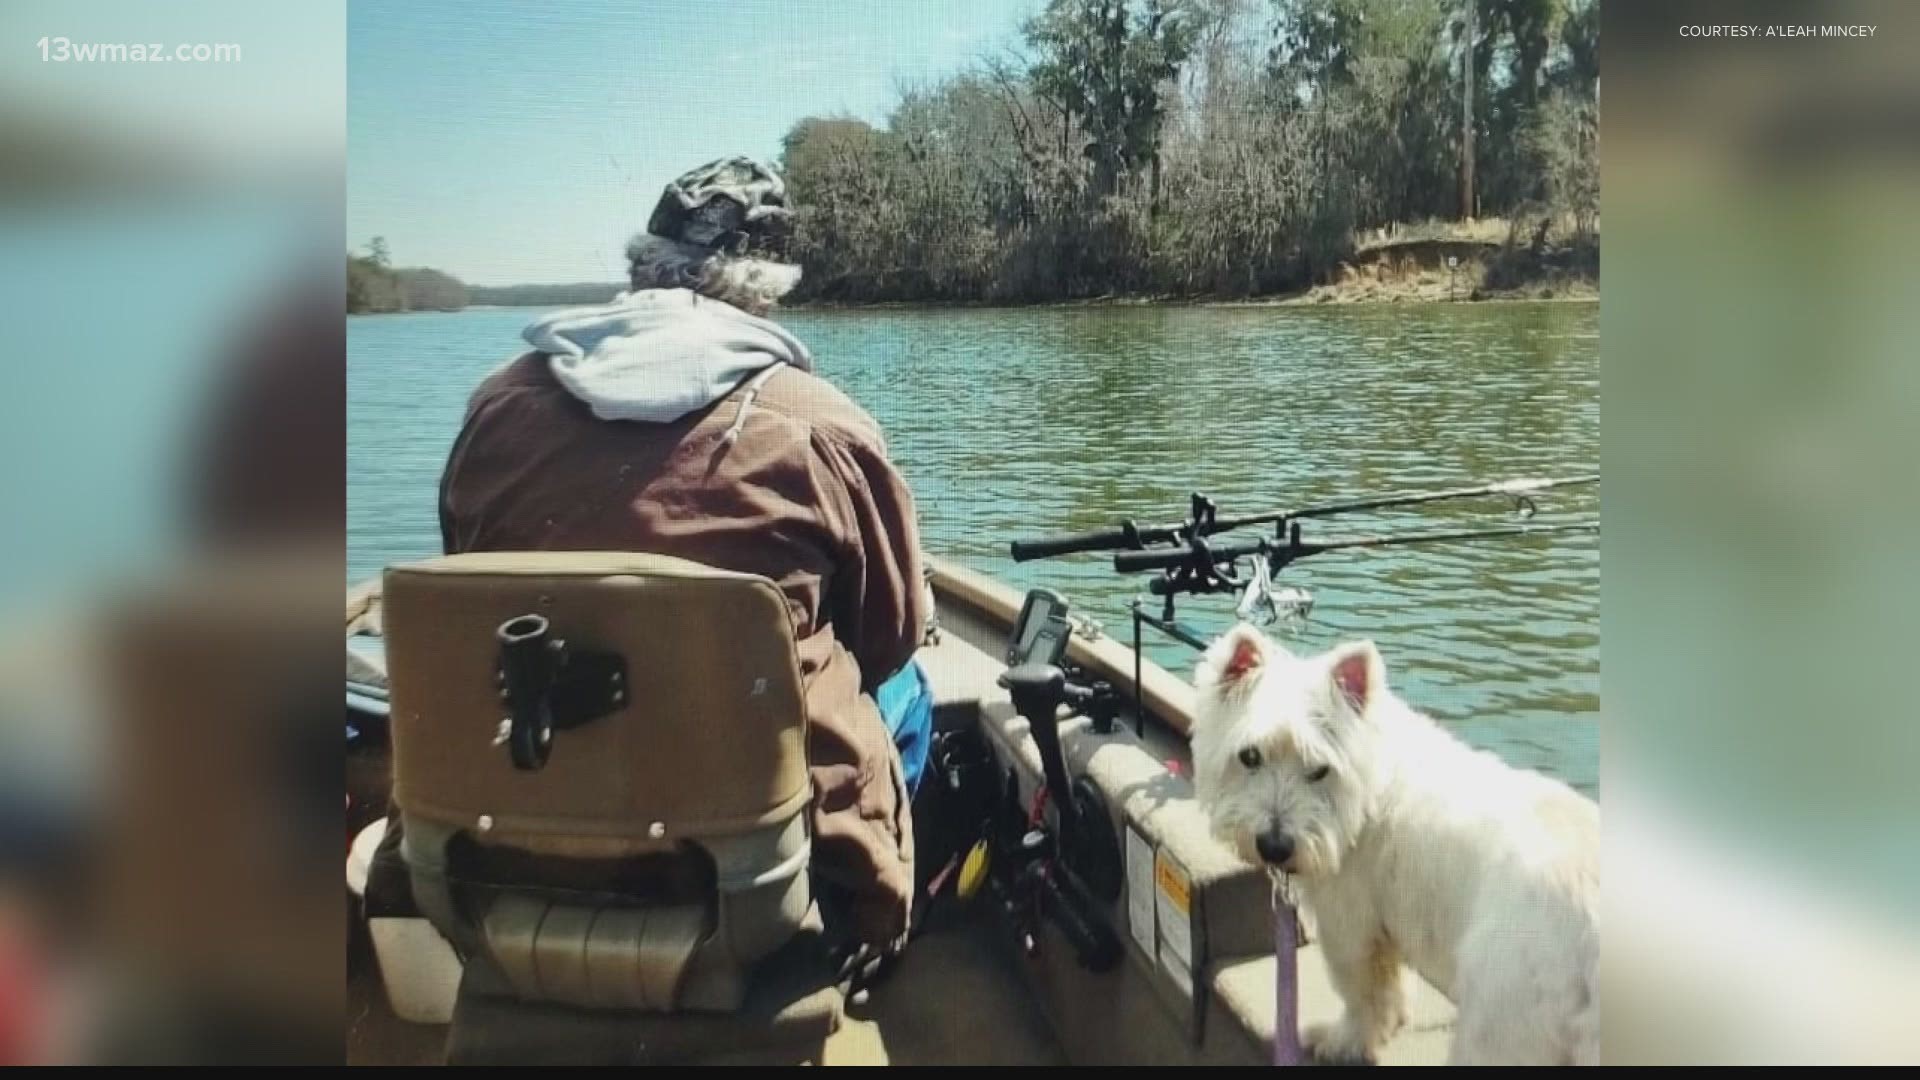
(419, 969)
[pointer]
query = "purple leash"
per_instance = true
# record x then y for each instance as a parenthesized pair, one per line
(1286, 985)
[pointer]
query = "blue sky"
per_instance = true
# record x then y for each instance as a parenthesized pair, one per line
(510, 142)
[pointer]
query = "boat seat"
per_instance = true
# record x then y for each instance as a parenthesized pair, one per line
(599, 762)
(789, 1013)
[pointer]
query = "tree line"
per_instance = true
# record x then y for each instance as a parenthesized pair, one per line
(1203, 147)
(375, 286)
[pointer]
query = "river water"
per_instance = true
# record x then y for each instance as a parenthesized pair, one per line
(1020, 423)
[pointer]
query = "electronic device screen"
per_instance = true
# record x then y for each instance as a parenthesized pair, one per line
(1040, 637)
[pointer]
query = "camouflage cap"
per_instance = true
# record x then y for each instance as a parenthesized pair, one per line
(731, 203)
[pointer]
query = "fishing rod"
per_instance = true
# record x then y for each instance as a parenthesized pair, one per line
(1204, 520)
(1190, 564)
(1278, 554)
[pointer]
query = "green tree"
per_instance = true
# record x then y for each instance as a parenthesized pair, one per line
(1105, 65)
(371, 287)
(1224, 147)
(430, 290)
(374, 286)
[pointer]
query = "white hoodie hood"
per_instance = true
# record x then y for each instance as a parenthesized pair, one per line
(659, 354)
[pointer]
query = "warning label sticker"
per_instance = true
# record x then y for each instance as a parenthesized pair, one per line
(1173, 906)
(1140, 890)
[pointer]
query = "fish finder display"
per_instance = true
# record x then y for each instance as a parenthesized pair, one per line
(1040, 637)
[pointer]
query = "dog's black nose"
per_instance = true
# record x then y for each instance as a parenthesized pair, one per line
(1274, 846)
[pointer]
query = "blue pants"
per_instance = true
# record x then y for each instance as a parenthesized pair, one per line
(906, 704)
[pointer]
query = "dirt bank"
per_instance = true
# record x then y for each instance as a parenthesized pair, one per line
(1489, 261)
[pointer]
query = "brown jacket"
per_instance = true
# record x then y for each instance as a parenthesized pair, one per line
(805, 497)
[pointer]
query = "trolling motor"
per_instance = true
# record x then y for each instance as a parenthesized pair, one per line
(1072, 871)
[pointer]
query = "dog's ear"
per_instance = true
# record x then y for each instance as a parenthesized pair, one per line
(1240, 652)
(1357, 673)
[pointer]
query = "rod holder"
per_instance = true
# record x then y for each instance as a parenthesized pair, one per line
(548, 686)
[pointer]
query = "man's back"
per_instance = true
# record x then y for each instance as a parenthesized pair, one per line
(793, 485)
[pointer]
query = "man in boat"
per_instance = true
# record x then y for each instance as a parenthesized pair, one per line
(679, 420)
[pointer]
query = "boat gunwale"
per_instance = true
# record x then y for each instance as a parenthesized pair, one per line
(1166, 696)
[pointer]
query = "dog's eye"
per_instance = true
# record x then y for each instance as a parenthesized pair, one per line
(1319, 774)
(1250, 757)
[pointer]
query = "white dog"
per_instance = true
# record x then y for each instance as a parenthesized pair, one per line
(1410, 848)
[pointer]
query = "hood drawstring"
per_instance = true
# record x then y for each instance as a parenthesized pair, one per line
(746, 401)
